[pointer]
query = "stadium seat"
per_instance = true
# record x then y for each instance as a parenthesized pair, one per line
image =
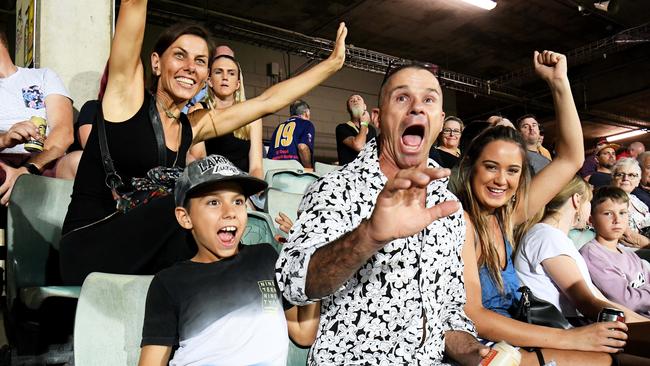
(290, 180)
(269, 164)
(321, 168)
(278, 201)
(260, 229)
(40, 311)
(108, 323)
(36, 211)
(581, 237)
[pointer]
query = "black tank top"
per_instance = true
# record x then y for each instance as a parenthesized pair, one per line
(133, 148)
(232, 148)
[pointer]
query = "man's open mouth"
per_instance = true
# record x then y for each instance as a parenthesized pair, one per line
(413, 136)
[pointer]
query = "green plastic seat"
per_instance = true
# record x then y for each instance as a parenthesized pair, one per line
(260, 229)
(290, 180)
(109, 318)
(270, 164)
(36, 211)
(278, 201)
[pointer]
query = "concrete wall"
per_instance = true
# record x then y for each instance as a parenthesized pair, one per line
(73, 39)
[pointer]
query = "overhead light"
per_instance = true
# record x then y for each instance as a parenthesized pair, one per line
(483, 4)
(626, 135)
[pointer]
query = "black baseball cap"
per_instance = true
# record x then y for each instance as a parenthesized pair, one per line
(210, 170)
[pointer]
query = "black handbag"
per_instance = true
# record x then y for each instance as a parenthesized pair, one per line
(533, 310)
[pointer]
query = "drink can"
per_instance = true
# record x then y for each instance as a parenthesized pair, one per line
(36, 145)
(502, 354)
(611, 315)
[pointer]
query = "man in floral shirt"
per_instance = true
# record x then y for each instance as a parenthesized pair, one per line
(379, 242)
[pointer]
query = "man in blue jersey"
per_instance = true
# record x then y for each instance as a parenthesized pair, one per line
(293, 139)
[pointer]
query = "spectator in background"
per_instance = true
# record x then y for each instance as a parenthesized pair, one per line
(26, 93)
(542, 150)
(626, 175)
(591, 161)
(606, 158)
(643, 190)
(550, 265)
(633, 151)
(244, 145)
(202, 94)
(352, 136)
(529, 128)
(500, 121)
(448, 152)
(293, 139)
(618, 273)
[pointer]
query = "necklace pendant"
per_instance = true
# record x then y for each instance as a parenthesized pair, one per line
(170, 114)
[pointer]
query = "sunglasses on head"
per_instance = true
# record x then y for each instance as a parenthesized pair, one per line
(397, 65)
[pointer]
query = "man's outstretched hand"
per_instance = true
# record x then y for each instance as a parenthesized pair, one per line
(401, 209)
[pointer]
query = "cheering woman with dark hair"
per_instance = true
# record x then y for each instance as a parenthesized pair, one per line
(145, 132)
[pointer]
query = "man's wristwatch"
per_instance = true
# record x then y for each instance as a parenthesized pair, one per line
(32, 169)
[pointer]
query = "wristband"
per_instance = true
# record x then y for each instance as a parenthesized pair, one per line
(32, 169)
(364, 123)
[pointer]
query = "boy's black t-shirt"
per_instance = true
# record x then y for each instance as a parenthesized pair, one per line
(225, 312)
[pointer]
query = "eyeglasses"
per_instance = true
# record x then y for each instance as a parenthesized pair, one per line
(629, 175)
(396, 65)
(451, 132)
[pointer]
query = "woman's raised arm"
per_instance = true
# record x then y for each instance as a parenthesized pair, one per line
(552, 68)
(211, 123)
(123, 96)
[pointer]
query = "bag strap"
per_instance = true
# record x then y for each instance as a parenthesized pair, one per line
(156, 124)
(112, 180)
(186, 137)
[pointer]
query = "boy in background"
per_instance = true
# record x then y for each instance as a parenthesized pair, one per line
(618, 273)
(222, 306)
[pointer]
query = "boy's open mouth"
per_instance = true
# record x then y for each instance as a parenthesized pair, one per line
(227, 234)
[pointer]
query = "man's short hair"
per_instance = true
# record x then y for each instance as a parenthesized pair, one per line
(644, 155)
(298, 107)
(520, 119)
(433, 69)
(605, 193)
(3, 39)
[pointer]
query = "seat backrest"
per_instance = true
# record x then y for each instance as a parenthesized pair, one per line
(292, 181)
(260, 229)
(108, 323)
(581, 237)
(37, 208)
(270, 164)
(322, 168)
(278, 201)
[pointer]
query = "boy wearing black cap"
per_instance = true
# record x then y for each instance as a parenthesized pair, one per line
(222, 306)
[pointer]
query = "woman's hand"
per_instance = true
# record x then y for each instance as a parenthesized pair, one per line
(338, 53)
(607, 337)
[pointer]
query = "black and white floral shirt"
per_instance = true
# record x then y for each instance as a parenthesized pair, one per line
(378, 316)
